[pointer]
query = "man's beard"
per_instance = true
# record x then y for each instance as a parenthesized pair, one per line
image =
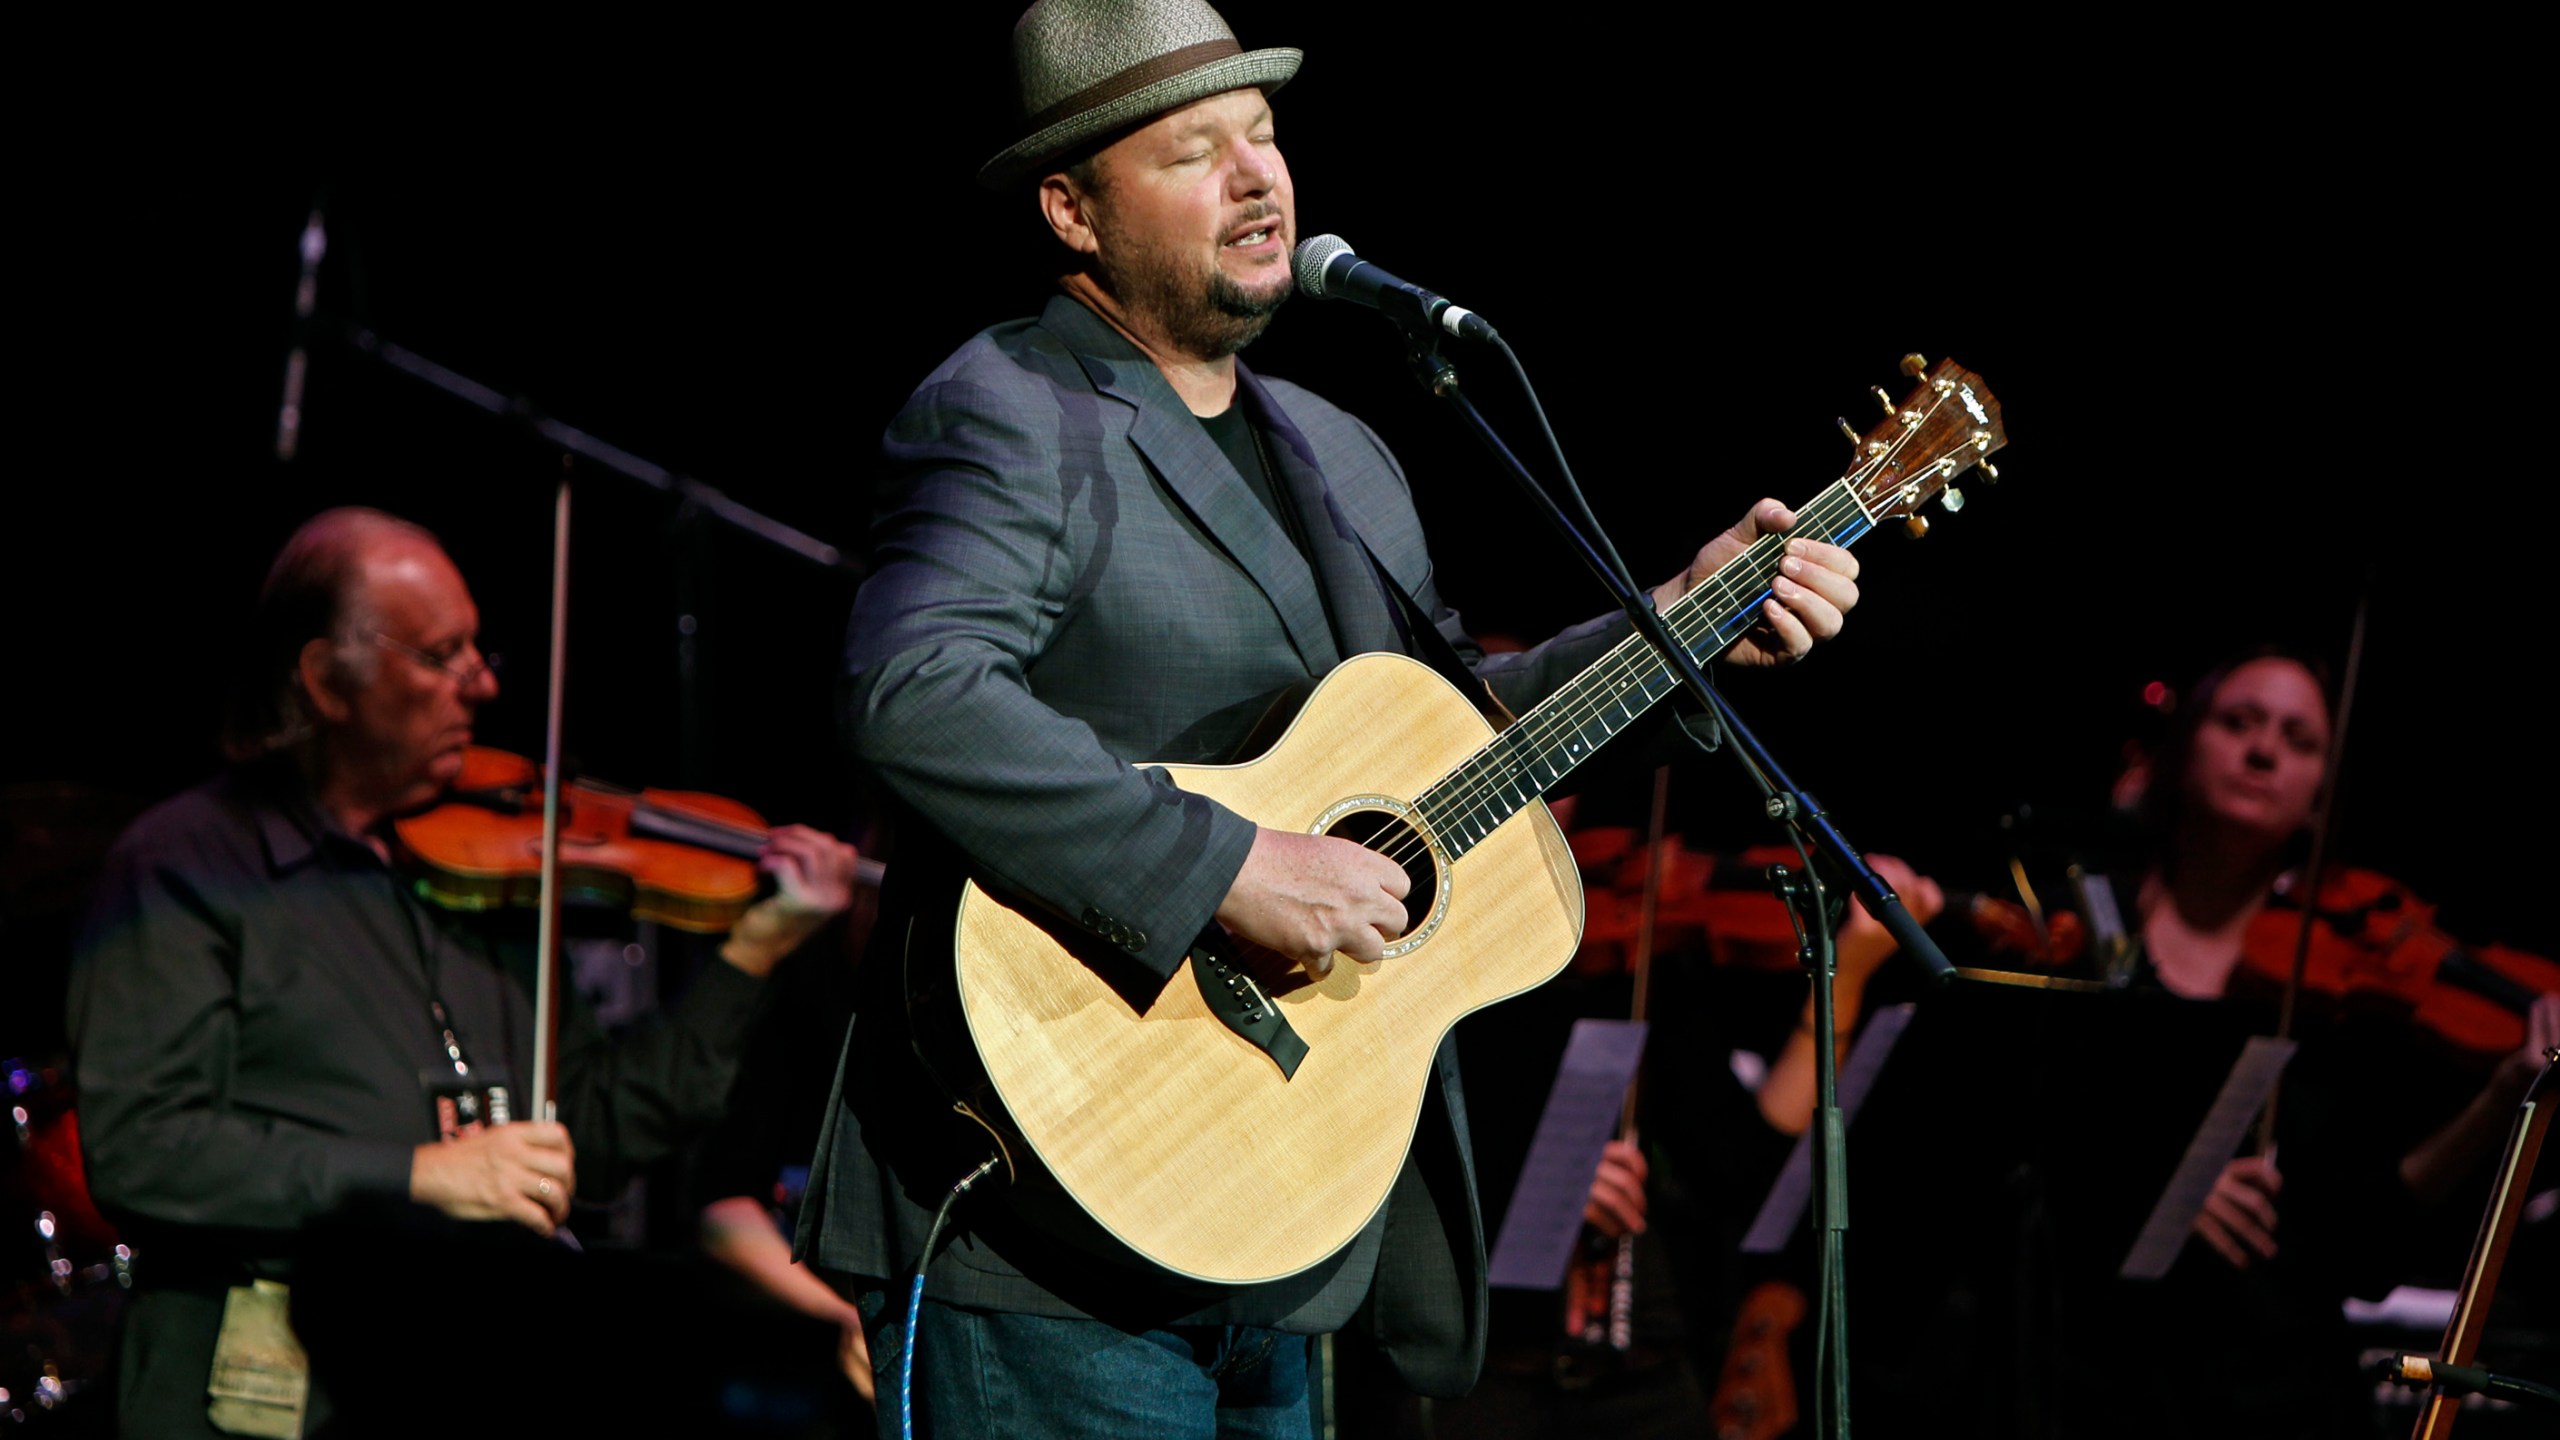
(1210, 319)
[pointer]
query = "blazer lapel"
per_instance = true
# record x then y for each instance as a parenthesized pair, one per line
(1364, 615)
(1200, 477)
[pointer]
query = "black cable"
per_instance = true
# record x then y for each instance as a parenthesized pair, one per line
(1564, 470)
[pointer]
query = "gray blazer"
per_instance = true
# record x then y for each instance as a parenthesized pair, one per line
(1072, 577)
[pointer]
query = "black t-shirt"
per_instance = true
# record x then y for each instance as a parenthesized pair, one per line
(1237, 435)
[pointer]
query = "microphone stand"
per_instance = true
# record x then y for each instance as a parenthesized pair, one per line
(692, 496)
(1785, 802)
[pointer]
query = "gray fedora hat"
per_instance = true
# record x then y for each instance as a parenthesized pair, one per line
(1089, 67)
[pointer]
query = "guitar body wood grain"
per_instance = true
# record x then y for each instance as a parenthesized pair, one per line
(1181, 1139)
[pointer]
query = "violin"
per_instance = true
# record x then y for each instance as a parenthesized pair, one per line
(2375, 947)
(681, 858)
(1725, 906)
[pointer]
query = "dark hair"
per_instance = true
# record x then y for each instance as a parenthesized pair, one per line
(310, 594)
(2164, 795)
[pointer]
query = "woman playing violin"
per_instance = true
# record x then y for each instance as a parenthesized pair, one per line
(2232, 797)
(2229, 806)
(273, 1037)
(2366, 1153)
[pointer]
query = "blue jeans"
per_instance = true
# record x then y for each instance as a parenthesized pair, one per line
(990, 1374)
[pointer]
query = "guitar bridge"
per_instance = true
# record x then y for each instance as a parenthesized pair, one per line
(1241, 1004)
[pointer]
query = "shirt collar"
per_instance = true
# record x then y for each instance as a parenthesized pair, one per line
(290, 822)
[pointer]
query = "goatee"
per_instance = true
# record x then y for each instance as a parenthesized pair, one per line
(1240, 315)
(1210, 317)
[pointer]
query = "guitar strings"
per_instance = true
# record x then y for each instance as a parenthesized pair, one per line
(1609, 672)
(1548, 735)
(1605, 685)
(1541, 735)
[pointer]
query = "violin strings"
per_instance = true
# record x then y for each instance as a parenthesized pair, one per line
(677, 822)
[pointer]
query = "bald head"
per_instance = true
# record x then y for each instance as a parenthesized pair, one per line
(320, 588)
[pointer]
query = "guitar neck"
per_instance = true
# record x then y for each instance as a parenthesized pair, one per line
(1533, 756)
(1946, 426)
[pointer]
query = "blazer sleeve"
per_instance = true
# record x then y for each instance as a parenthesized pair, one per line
(976, 567)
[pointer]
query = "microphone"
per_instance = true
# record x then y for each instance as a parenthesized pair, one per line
(1327, 270)
(306, 300)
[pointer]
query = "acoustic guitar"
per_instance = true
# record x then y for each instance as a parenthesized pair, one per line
(1234, 1133)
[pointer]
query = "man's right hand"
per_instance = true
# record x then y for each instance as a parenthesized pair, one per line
(522, 1172)
(1306, 896)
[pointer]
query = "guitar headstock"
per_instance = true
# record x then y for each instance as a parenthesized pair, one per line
(1948, 424)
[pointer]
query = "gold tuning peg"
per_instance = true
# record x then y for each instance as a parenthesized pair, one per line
(1918, 525)
(1989, 471)
(1881, 398)
(1915, 365)
(1843, 422)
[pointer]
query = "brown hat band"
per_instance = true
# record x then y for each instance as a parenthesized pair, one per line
(1135, 78)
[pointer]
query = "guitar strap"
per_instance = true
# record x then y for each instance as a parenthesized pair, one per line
(1340, 557)
(1424, 642)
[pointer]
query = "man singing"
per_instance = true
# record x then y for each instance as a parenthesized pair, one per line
(1103, 540)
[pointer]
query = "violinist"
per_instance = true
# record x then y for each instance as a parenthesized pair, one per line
(2291, 1231)
(2374, 1131)
(273, 1035)
(2230, 800)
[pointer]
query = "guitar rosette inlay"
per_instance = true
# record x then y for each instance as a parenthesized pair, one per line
(1394, 829)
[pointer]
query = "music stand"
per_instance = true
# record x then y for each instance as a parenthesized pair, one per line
(2012, 1143)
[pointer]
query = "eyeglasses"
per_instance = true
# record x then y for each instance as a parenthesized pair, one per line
(452, 665)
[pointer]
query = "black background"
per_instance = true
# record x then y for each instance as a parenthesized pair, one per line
(2261, 353)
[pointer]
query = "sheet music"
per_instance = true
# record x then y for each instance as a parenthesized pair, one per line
(2244, 1094)
(1545, 1217)
(1794, 1188)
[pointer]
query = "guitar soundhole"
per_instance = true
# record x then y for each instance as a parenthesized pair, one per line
(1390, 836)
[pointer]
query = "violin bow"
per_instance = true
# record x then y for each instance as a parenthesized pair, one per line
(546, 963)
(1640, 964)
(1620, 1313)
(2318, 871)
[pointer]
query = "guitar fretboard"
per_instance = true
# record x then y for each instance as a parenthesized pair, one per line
(1565, 729)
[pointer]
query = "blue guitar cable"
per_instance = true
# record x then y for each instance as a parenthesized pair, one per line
(915, 1299)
